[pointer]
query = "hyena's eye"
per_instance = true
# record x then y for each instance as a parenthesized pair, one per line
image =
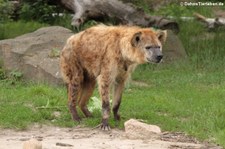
(148, 47)
(151, 47)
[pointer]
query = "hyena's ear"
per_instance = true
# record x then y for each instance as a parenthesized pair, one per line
(136, 39)
(162, 35)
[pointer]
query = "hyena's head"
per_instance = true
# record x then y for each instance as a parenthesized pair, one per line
(147, 45)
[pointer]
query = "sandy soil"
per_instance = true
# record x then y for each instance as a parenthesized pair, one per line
(87, 138)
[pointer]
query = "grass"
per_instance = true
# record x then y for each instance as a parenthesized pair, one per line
(176, 10)
(14, 29)
(185, 99)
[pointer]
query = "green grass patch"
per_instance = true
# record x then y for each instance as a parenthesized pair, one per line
(183, 99)
(14, 29)
(176, 10)
(32, 103)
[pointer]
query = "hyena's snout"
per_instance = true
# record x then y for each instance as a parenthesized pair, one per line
(154, 54)
(157, 54)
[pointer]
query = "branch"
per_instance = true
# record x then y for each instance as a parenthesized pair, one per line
(212, 23)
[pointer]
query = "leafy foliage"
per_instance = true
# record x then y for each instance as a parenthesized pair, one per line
(2, 74)
(55, 52)
(2, 71)
(12, 77)
(40, 11)
(6, 10)
(15, 75)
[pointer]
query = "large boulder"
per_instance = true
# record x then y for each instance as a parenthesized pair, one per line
(36, 54)
(173, 48)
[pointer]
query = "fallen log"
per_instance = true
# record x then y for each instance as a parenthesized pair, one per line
(123, 13)
(211, 23)
(67, 4)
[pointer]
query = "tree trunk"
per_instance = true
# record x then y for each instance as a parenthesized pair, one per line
(67, 4)
(124, 13)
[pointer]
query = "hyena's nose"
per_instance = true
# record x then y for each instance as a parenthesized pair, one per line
(159, 57)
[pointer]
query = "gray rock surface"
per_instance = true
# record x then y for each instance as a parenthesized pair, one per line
(135, 129)
(32, 144)
(173, 48)
(36, 54)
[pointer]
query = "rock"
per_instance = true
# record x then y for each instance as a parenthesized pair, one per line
(135, 129)
(173, 48)
(32, 144)
(36, 54)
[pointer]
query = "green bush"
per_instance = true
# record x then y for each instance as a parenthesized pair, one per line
(15, 76)
(39, 11)
(10, 77)
(2, 74)
(64, 20)
(6, 10)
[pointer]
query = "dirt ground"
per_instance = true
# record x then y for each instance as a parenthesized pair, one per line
(87, 138)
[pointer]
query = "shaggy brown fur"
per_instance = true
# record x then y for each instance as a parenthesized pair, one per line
(108, 54)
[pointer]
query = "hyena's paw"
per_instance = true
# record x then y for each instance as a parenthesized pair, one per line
(76, 118)
(104, 125)
(74, 113)
(88, 114)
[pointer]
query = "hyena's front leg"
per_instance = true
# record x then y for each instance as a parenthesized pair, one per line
(117, 96)
(104, 88)
(73, 94)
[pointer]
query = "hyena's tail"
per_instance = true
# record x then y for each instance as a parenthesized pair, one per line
(68, 58)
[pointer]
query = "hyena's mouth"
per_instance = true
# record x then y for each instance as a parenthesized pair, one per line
(159, 58)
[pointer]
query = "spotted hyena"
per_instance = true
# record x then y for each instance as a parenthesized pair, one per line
(108, 55)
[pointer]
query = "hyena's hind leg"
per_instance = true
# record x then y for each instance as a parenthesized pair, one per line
(75, 80)
(88, 87)
(72, 74)
(73, 95)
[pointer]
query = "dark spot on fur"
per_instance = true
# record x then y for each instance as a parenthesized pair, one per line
(105, 104)
(125, 67)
